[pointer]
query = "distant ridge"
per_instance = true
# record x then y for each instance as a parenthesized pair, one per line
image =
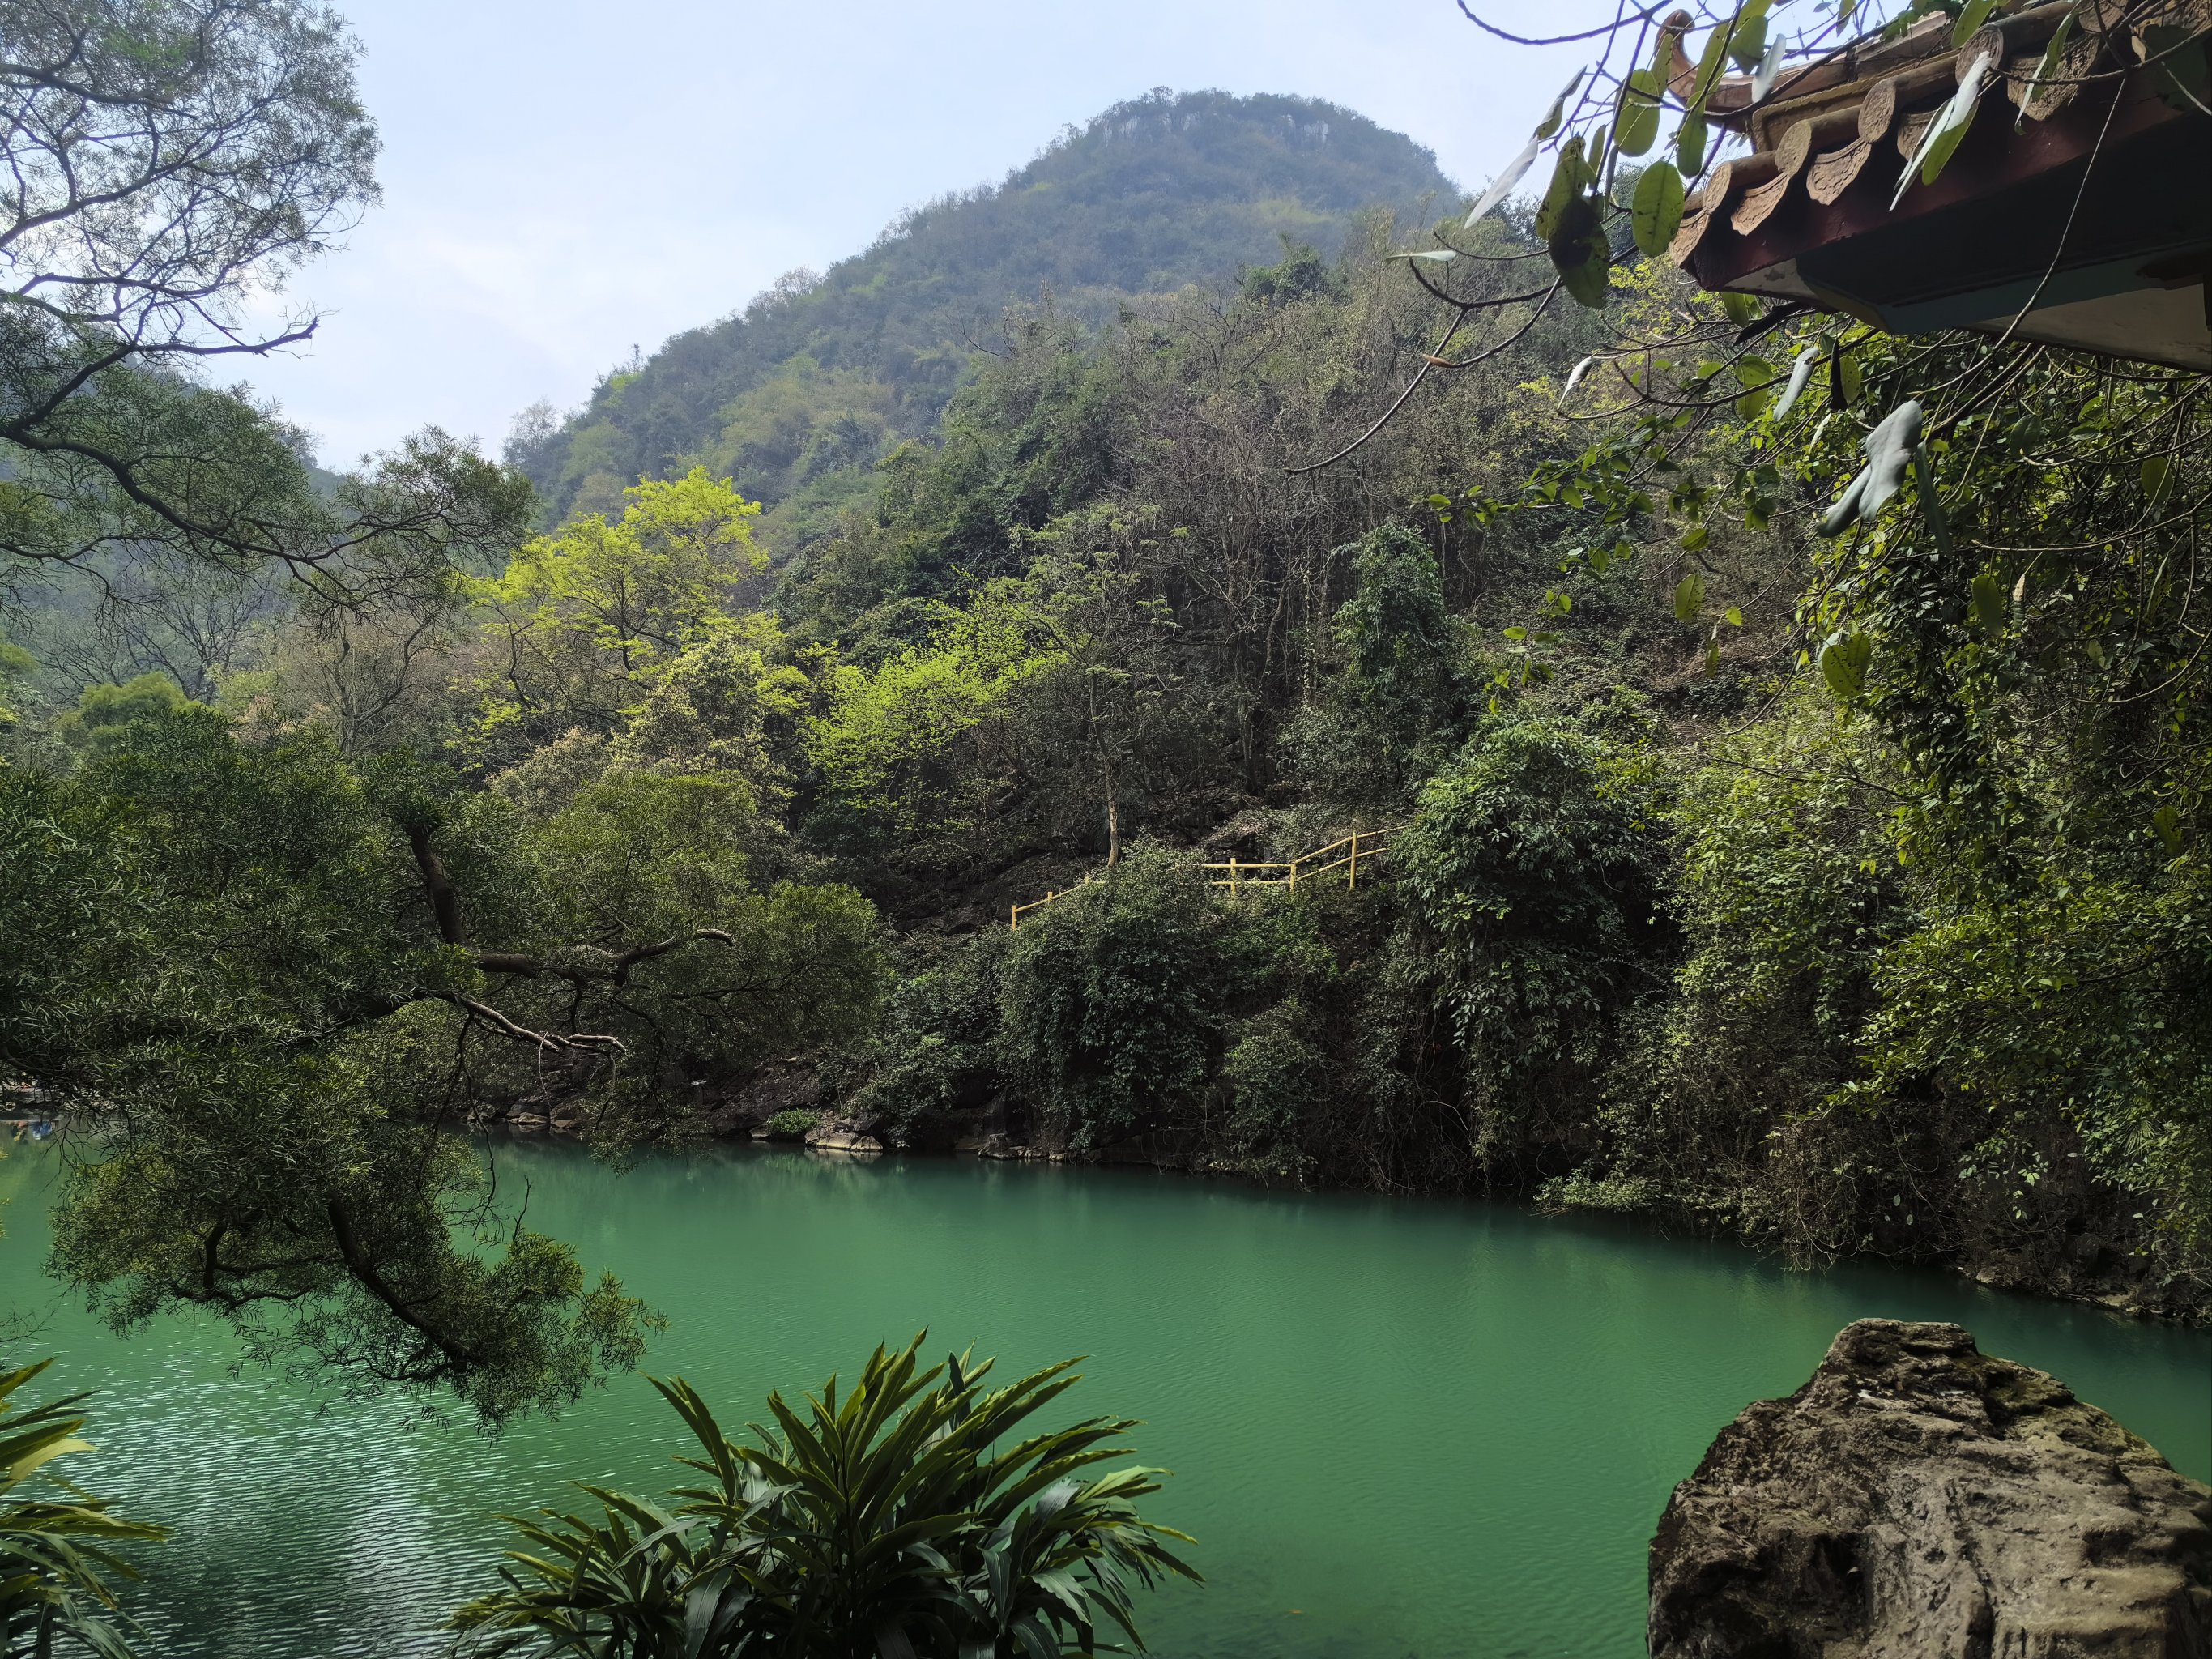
(814, 380)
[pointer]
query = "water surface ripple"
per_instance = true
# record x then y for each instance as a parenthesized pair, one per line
(1400, 1430)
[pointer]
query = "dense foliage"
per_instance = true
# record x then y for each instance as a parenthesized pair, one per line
(913, 1513)
(801, 393)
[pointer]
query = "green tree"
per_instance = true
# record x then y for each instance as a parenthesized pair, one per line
(283, 986)
(1533, 882)
(585, 622)
(1113, 1001)
(897, 1517)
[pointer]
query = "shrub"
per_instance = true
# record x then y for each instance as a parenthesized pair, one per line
(791, 1124)
(1113, 1000)
(900, 1518)
(1533, 879)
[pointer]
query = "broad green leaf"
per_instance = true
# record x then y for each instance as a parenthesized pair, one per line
(1741, 308)
(1689, 597)
(2165, 823)
(1695, 538)
(1690, 144)
(1502, 185)
(1749, 45)
(1657, 211)
(1581, 254)
(1801, 373)
(1946, 131)
(1551, 122)
(1843, 662)
(1844, 385)
(1636, 123)
(1735, 616)
(1988, 603)
(2157, 477)
(1575, 379)
(2183, 56)
(1565, 186)
(1709, 65)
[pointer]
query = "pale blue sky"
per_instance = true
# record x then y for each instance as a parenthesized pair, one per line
(565, 179)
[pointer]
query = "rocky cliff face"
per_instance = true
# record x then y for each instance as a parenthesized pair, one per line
(1919, 1499)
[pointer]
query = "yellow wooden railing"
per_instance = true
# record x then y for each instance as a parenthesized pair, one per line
(1345, 856)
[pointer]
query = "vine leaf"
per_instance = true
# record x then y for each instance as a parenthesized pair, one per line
(1581, 253)
(2157, 477)
(1566, 185)
(1689, 597)
(1748, 42)
(1945, 131)
(1690, 144)
(2047, 70)
(1971, 19)
(2165, 823)
(1657, 210)
(1800, 375)
(1843, 662)
(1762, 78)
(1518, 169)
(1636, 125)
(1889, 450)
(1988, 603)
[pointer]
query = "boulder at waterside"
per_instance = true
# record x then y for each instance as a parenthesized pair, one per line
(1919, 1499)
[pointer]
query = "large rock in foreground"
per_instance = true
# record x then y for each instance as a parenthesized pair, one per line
(1918, 1500)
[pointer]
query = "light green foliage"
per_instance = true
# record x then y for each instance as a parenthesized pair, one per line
(913, 1513)
(1400, 689)
(104, 712)
(58, 1549)
(890, 743)
(589, 619)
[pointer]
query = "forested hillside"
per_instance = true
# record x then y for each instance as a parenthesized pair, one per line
(1845, 895)
(798, 393)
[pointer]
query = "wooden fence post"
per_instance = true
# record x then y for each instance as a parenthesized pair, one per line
(1351, 875)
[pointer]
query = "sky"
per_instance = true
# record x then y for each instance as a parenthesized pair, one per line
(564, 179)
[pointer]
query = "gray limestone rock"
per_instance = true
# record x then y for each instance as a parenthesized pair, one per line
(1919, 1499)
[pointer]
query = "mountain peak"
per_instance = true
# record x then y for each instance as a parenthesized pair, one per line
(818, 377)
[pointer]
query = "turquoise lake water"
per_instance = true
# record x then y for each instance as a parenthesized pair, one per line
(1398, 1430)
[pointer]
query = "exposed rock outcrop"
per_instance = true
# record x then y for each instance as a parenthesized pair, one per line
(1919, 1499)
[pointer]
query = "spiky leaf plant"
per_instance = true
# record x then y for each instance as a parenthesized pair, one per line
(907, 1518)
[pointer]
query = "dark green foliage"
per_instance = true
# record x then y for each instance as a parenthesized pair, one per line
(1400, 690)
(938, 1052)
(283, 990)
(1113, 1001)
(897, 1517)
(1149, 195)
(1534, 882)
